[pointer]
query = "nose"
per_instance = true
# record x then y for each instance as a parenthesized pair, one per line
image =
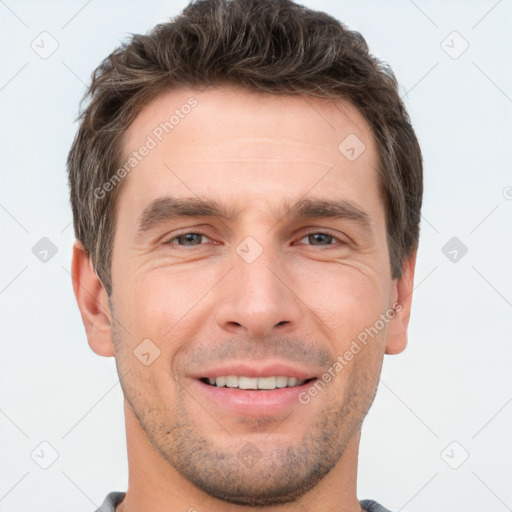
(258, 300)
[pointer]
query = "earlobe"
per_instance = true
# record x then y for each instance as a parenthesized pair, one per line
(397, 334)
(92, 301)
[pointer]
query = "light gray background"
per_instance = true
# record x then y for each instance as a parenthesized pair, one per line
(453, 381)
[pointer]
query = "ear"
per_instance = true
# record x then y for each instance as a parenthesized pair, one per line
(402, 292)
(92, 301)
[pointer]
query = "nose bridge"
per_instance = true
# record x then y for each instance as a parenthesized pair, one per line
(257, 299)
(256, 267)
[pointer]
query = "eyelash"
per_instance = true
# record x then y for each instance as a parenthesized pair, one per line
(324, 232)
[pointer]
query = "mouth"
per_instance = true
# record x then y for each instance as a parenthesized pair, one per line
(267, 388)
(255, 383)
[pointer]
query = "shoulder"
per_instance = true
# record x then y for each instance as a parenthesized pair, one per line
(111, 501)
(372, 506)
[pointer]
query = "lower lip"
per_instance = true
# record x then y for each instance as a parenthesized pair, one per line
(253, 402)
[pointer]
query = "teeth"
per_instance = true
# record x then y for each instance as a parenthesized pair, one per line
(242, 382)
(248, 382)
(231, 381)
(281, 382)
(266, 383)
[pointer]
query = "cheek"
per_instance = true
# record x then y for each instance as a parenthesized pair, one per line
(164, 301)
(344, 297)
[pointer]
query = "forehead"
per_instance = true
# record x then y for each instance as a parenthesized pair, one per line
(228, 142)
(217, 111)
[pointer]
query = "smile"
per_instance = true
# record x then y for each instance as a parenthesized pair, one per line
(244, 382)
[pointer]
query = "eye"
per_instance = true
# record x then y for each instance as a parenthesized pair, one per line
(187, 239)
(317, 238)
(322, 239)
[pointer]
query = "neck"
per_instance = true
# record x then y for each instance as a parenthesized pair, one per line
(155, 486)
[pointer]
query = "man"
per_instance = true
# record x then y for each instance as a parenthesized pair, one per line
(246, 190)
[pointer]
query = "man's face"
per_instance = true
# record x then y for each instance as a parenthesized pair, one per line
(266, 291)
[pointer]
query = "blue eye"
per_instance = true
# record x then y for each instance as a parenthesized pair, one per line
(315, 239)
(185, 238)
(324, 238)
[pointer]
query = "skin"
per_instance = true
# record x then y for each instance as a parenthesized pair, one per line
(303, 300)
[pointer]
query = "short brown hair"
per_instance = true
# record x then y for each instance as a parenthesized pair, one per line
(269, 46)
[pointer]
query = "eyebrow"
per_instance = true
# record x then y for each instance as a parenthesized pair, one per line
(169, 208)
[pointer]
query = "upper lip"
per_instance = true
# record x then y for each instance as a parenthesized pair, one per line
(256, 369)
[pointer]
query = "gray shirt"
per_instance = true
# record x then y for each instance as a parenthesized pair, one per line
(115, 497)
